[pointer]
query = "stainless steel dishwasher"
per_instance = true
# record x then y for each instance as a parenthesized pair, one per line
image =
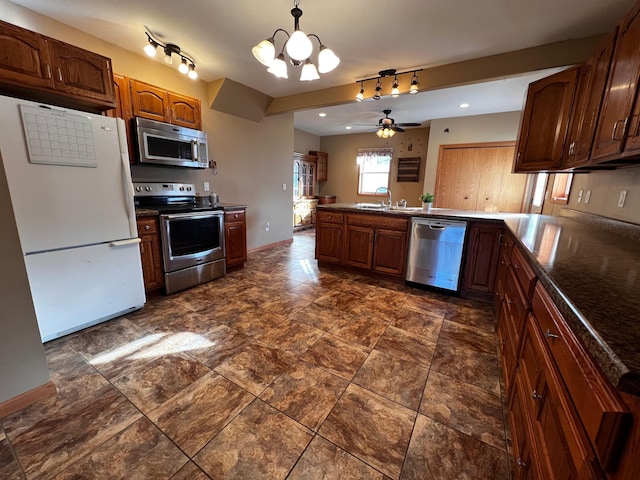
(435, 252)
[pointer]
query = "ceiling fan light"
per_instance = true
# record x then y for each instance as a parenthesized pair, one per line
(299, 47)
(192, 72)
(150, 49)
(327, 60)
(379, 132)
(279, 67)
(309, 72)
(265, 52)
(391, 132)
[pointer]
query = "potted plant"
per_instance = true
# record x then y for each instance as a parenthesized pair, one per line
(427, 200)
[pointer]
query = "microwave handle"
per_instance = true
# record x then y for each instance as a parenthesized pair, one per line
(194, 150)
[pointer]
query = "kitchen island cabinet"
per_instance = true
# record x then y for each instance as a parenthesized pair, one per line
(40, 68)
(150, 252)
(483, 249)
(235, 236)
(329, 237)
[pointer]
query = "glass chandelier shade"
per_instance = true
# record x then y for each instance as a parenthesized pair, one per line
(299, 49)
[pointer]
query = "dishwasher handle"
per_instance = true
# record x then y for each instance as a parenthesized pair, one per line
(435, 227)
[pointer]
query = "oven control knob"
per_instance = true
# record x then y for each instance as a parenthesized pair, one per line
(138, 188)
(148, 189)
(181, 189)
(188, 189)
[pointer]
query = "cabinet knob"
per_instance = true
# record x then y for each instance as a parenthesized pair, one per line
(516, 266)
(236, 216)
(520, 463)
(535, 395)
(548, 334)
(147, 227)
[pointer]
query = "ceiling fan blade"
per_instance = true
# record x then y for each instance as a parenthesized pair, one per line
(409, 124)
(396, 128)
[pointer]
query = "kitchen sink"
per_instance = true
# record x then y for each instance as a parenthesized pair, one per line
(372, 206)
(407, 209)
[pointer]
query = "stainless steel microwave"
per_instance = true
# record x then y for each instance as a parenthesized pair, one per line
(170, 145)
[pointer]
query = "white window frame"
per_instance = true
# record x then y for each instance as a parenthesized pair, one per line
(372, 178)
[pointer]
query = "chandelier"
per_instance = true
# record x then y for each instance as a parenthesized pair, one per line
(299, 48)
(186, 66)
(395, 88)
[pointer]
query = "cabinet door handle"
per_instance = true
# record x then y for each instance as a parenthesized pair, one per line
(500, 238)
(516, 266)
(147, 227)
(548, 334)
(59, 74)
(48, 75)
(614, 133)
(520, 463)
(535, 395)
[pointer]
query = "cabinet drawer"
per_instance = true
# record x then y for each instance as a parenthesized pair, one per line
(526, 277)
(390, 223)
(147, 225)
(329, 217)
(600, 409)
(516, 306)
(234, 216)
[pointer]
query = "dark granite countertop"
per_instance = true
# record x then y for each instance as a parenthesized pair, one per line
(593, 274)
(146, 212)
(590, 266)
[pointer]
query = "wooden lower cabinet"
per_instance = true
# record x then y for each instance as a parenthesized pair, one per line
(150, 253)
(370, 242)
(567, 421)
(235, 237)
(329, 237)
(482, 252)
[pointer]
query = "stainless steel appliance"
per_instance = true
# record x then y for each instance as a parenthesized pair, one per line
(169, 145)
(192, 236)
(67, 186)
(435, 252)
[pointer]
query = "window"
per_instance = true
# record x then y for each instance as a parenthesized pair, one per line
(374, 165)
(561, 187)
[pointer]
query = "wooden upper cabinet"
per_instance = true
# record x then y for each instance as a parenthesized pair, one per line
(615, 118)
(80, 72)
(592, 81)
(323, 162)
(24, 57)
(155, 103)
(40, 68)
(149, 101)
(184, 111)
(545, 122)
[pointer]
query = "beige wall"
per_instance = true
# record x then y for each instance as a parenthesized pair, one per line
(254, 159)
(605, 190)
(305, 141)
(498, 127)
(343, 171)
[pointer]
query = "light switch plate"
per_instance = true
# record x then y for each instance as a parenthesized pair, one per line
(587, 196)
(580, 196)
(206, 186)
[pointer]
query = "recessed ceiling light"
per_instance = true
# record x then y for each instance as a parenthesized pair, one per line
(322, 114)
(348, 127)
(464, 105)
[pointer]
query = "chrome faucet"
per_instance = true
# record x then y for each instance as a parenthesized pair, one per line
(385, 189)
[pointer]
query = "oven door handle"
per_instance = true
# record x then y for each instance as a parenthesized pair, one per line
(178, 216)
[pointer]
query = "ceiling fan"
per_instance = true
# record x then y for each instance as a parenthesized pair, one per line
(387, 126)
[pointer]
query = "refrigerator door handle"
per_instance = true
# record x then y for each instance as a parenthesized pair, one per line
(127, 183)
(125, 243)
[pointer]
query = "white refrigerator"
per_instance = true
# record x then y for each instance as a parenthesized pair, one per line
(72, 199)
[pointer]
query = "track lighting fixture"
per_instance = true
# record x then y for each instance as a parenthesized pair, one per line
(299, 48)
(187, 65)
(395, 88)
(360, 96)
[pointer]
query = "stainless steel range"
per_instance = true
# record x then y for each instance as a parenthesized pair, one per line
(192, 235)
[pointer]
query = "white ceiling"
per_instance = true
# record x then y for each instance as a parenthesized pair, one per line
(367, 36)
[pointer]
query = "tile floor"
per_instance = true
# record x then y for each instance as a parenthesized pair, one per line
(278, 370)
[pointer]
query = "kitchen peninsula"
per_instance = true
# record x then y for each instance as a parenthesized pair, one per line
(567, 297)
